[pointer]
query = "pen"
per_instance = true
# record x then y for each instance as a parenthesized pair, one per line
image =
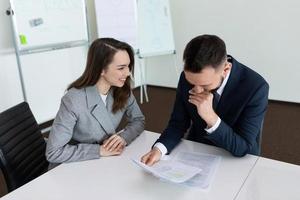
(119, 132)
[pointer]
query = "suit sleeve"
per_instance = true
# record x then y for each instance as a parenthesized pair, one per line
(136, 120)
(179, 122)
(58, 150)
(241, 139)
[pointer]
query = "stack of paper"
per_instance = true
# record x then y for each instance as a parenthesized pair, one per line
(190, 169)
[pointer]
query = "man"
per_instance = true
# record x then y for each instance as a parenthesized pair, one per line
(221, 101)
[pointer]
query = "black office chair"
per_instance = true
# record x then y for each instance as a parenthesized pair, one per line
(22, 146)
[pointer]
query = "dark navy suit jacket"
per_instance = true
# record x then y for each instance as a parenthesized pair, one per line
(241, 109)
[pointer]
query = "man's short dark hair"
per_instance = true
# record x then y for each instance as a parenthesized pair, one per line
(203, 51)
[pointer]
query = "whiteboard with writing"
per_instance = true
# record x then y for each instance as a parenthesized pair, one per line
(155, 28)
(145, 24)
(40, 23)
(117, 19)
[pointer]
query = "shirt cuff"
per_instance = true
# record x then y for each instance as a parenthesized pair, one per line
(214, 127)
(162, 148)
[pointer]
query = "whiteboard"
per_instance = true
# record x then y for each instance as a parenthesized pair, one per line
(145, 24)
(117, 19)
(46, 77)
(40, 23)
(155, 28)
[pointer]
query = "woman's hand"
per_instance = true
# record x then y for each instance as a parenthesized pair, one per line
(104, 152)
(114, 143)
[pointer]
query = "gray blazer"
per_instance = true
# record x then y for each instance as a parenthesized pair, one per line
(84, 118)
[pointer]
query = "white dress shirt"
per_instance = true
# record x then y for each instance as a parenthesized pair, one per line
(103, 97)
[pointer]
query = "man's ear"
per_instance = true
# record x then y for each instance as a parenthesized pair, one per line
(227, 68)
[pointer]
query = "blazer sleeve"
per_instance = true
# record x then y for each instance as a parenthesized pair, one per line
(241, 139)
(179, 122)
(135, 121)
(58, 150)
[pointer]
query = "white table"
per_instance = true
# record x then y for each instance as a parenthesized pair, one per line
(271, 179)
(119, 178)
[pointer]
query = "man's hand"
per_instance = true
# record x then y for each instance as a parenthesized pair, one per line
(114, 143)
(151, 157)
(203, 102)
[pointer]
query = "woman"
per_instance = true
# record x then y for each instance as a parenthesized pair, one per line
(92, 108)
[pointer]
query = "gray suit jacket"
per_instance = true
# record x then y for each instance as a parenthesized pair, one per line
(84, 118)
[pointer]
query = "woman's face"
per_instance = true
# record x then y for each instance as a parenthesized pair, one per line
(118, 70)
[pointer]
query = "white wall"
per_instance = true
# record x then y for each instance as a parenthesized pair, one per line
(264, 35)
(163, 70)
(46, 77)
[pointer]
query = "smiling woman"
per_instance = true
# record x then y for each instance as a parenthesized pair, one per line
(116, 72)
(105, 56)
(91, 110)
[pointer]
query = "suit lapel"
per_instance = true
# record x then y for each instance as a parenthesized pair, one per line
(100, 112)
(229, 90)
(110, 101)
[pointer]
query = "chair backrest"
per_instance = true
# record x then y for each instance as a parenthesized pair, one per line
(22, 146)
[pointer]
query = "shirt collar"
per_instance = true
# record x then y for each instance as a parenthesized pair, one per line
(221, 88)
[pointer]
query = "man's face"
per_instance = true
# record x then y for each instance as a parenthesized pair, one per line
(209, 78)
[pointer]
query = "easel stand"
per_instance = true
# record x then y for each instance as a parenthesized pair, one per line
(143, 67)
(143, 87)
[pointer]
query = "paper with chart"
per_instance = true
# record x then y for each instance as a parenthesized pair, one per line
(207, 162)
(172, 171)
(190, 169)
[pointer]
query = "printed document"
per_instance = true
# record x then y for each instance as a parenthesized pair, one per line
(172, 171)
(207, 162)
(189, 169)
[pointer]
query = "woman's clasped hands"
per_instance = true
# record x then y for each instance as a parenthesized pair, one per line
(112, 146)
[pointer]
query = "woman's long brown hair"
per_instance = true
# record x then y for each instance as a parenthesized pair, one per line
(100, 55)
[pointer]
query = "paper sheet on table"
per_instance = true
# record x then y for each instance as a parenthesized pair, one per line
(207, 162)
(170, 170)
(186, 168)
